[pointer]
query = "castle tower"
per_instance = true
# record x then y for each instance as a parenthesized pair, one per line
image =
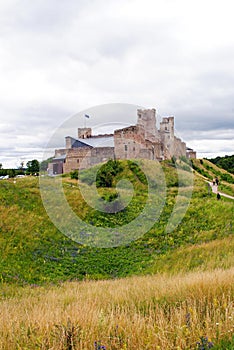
(84, 133)
(147, 119)
(167, 126)
(167, 136)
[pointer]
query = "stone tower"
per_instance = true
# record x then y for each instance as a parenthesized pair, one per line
(147, 119)
(84, 133)
(167, 136)
(167, 126)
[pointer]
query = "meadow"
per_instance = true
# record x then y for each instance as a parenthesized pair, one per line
(165, 290)
(180, 311)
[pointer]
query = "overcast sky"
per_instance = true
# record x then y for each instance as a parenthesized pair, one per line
(59, 57)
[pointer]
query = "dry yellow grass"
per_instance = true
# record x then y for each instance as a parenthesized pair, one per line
(150, 312)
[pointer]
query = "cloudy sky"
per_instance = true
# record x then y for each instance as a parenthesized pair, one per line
(59, 57)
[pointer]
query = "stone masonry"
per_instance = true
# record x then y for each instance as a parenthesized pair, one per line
(142, 140)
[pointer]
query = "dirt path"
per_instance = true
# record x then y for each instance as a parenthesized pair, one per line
(215, 190)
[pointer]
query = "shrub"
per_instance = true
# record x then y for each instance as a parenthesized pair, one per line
(227, 177)
(107, 172)
(74, 174)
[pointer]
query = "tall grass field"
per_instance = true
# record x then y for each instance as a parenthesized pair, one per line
(147, 312)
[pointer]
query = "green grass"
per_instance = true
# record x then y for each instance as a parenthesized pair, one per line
(33, 251)
(187, 293)
(210, 171)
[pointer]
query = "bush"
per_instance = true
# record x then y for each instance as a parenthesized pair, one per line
(107, 172)
(227, 177)
(74, 174)
(224, 162)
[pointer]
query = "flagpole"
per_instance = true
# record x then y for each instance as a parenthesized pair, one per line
(85, 116)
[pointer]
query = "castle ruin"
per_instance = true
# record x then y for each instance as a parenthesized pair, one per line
(142, 140)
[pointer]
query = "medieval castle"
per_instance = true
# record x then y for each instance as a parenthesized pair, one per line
(142, 140)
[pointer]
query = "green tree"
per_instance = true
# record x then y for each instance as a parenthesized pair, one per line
(226, 163)
(33, 167)
(11, 172)
(44, 164)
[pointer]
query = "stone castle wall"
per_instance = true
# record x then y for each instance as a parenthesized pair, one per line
(179, 148)
(84, 157)
(75, 157)
(142, 140)
(128, 142)
(101, 154)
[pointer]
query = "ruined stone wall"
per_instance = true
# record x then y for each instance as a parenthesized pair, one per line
(167, 125)
(129, 141)
(55, 167)
(190, 154)
(150, 151)
(158, 150)
(76, 158)
(59, 152)
(179, 148)
(84, 157)
(101, 154)
(145, 153)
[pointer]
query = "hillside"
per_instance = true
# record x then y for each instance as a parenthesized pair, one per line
(33, 251)
(226, 163)
(209, 171)
(181, 299)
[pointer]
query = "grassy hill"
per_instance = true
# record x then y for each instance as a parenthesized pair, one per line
(208, 170)
(33, 251)
(177, 291)
(226, 163)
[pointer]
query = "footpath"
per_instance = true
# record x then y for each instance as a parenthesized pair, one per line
(215, 190)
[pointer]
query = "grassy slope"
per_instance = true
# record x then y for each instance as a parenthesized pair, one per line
(226, 163)
(211, 171)
(33, 251)
(144, 312)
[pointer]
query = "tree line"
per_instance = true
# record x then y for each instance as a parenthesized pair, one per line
(227, 163)
(32, 167)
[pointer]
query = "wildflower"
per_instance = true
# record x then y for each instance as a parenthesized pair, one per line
(204, 344)
(98, 346)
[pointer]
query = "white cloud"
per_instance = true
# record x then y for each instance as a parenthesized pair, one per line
(61, 57)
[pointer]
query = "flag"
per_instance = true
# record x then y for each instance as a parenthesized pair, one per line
(86, 116)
